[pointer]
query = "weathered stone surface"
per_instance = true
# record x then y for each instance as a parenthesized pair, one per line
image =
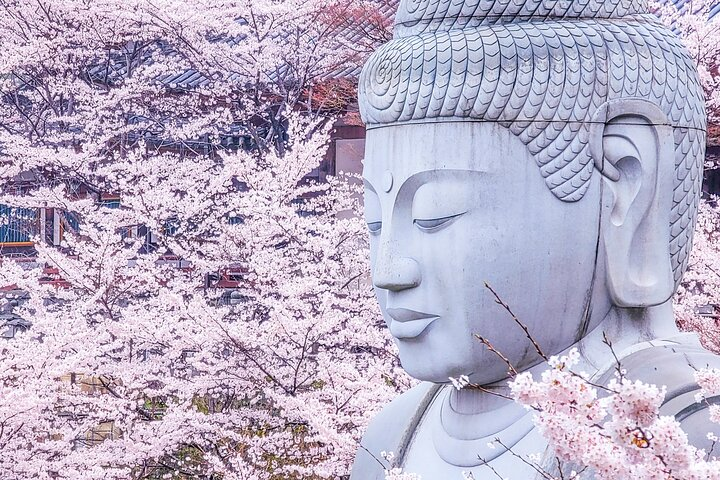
(554, 150)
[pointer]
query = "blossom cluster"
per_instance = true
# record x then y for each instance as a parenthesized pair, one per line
(396, 473)
(697, 302)
(691, 21)
(616, 431)
(210, 315)
(709, 381)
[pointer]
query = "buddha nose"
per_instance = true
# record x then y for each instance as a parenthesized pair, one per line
(395, 272)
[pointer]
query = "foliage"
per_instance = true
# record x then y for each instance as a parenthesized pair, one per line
(697, 302)
(195, 115)
(691, 21)
(204, 118)
(617, 435)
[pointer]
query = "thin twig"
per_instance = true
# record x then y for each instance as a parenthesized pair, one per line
(712, 447)
(499, 301)
(476, 386)
(560, 468)
(618, 367)
(373, 456)
(492, 469)
(542, 472)
(490, 347)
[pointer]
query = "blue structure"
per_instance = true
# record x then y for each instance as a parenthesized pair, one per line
(17, 225)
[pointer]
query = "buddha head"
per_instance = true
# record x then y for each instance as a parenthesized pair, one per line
(551, 148)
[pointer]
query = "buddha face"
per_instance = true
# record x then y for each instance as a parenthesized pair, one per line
(451, 206)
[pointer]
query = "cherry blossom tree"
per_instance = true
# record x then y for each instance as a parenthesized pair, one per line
(698, 298)
(691, 20)
(164, 148)
(614, 435)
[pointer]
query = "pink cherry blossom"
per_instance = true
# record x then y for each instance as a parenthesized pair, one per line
(617, 436)
(208, 313)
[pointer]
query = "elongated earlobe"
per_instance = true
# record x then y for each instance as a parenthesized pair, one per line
(632, 144)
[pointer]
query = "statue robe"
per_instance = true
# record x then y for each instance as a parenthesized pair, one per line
(670, 362)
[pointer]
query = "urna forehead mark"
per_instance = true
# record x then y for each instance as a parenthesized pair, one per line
(446, 182)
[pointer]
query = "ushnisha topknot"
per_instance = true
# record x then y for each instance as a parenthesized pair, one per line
(419, 16)
(542, 69)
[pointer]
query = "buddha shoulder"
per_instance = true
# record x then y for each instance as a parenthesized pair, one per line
(673, 365)
(391, 430)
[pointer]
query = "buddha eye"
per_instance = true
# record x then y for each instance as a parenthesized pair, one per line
(374, 227)
(434, 224)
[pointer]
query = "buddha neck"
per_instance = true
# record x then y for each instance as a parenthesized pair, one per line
(488, 399)
(471, 419)
(472, 427)
(623, 328)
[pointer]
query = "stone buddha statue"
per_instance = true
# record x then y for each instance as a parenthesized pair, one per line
(553, 149)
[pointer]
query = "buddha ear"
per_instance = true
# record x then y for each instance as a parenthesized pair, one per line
(632, 144)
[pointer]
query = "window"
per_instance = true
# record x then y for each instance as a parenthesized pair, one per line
(17, 225)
